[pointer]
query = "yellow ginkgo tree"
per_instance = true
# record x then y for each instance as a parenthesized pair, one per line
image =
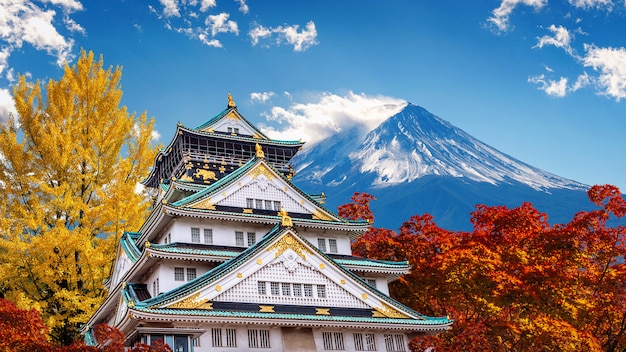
(70, 163)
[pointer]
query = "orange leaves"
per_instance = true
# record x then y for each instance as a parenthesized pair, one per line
(515, 283)
(359, 209)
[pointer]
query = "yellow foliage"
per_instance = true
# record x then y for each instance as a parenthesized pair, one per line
(69, 166)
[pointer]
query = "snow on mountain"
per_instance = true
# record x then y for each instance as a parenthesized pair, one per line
(411, 145)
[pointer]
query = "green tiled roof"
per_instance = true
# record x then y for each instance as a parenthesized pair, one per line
(352, 319)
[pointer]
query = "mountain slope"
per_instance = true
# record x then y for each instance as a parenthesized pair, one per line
(415, 162)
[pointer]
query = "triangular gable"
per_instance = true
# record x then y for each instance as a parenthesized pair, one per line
(258, 181)
(230, 121)
(282, 252)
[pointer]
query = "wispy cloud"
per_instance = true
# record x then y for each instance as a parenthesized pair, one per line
(243, 6)
(261, 96)
(608, 63)
(300, 39)
(500, 16)
(221, 24)
(561, 39)
(587, 4)
(327, 113)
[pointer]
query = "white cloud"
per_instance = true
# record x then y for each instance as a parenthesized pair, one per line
(611, 65)
(207, 4)
(261, 96)
(582, 81)
(170, 8)
(500, 15)
(329, 113)
(561, 39)
(210, 42)
(24, 21)
(243, 6)
(587, 4)
(553, 88)
(7, 105)
(221, 24)
(301, 40)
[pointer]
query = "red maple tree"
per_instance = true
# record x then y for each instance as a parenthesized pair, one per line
(514, 283)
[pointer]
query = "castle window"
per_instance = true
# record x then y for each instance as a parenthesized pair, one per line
(297, 290)
(321, 291)
(274, 288)
(332, 245)
(333, 341)
(251, 238)
(195, 235)
(155, 287)
(262, 288)
(208, 236)
(364, 342)
(231, 338)
(286, 289)
(216, 337)
(179, 274)
(321, 244)
(239, 238)
(233, 130)
(308, 290)
(259, 203)
(258, 338)
(394, 343)
(371, 282)
(191, 274)
(249, 203)
(276, 205)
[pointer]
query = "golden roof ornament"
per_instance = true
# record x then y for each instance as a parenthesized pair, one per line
(286, 220)
(231, 102)
(259, 151)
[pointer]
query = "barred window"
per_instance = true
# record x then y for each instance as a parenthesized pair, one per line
(333, 341)
(394, 343)
(297, 290)
(179, 274)
(251, 238)
(239, 238)
(274, 288)
(371, 282)
(332, 245)
(216, 337)
(277, 205)
(208, 236)
(249, 203)
(321, 244)
(268, 204)
(191, 274)
(321, 291)
(231, 338)
(364, 342)
(308, 290)
(258, 338)
(195, 235)
(286, 289)
(262, 288)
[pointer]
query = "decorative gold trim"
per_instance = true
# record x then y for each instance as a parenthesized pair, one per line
(231, 115)
(186, 178)
(131, 304)
(259, 261)
(239, 275)
(192, 302)
(259, 151)
(266, 309)
(318, 215)
(322, 266)
(387, 311)
(343, 282)
(147, 245)
(262, 170)
(364, 296)
(218, 288)
(289, 242)
(247, 211)
(205, 203)
(322, 311)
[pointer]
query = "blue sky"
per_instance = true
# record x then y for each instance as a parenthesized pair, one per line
(541, 80)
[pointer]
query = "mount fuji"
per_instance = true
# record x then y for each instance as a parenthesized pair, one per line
(415, 162)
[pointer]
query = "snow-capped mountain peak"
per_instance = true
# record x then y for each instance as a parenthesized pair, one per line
(413, 144)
